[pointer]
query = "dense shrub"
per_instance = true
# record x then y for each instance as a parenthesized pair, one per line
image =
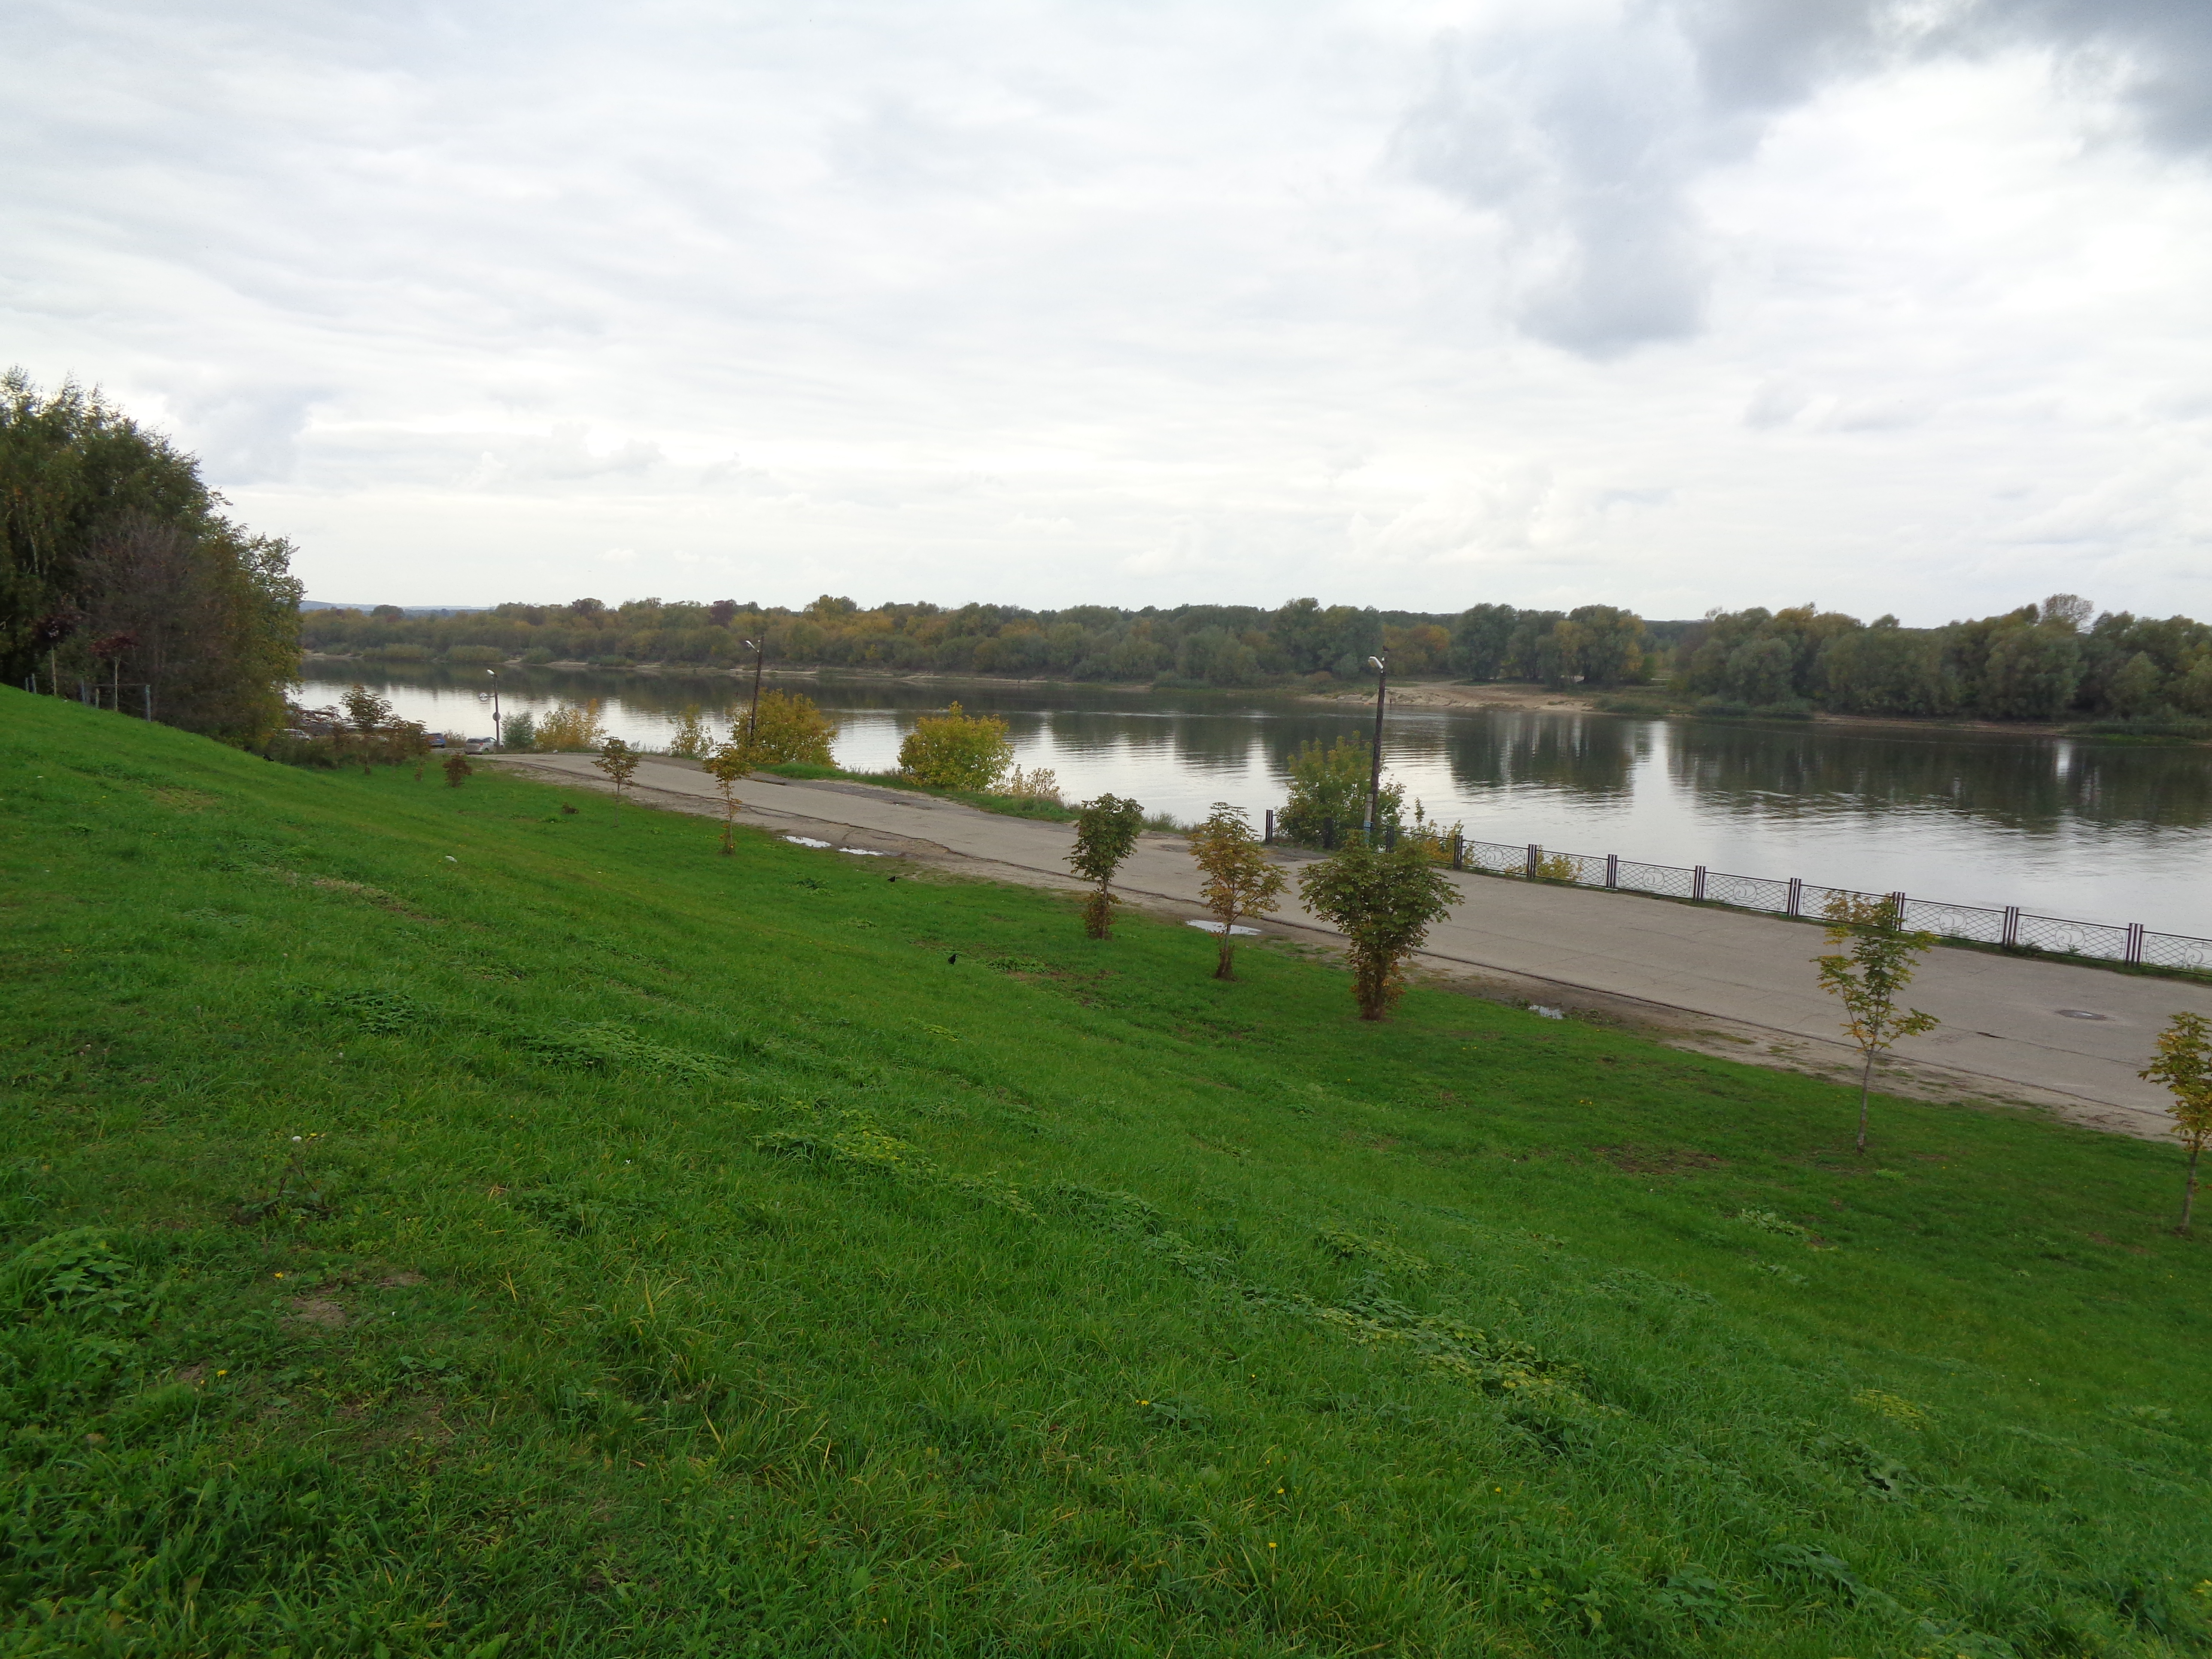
(956, 750)
(1330, 785)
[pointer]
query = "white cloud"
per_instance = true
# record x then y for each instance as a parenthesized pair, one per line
(1673, 303)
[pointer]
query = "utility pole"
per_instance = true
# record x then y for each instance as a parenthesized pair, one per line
(760, 654)
(497, 731)
(1374, 775)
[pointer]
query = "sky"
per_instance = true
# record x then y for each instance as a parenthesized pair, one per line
(1897, 306)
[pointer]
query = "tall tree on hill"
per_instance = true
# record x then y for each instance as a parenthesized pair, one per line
(1867, 976)
(110, 526)
(1106, 832)
(2184, 1065)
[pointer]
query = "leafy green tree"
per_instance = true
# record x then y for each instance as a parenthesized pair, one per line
(619, 762)
(1878, 963)
(521, 733)
(2134, 687)
(410, 741)
(1884, 669)
(2183, 1065)
(1481, 641)
(370, 716)
(107, 532)
(1106, 831)
(1240, 879)
(1383, 904)
(1330, 785)
(2029, 670)
(1606, 644)
(956, 750)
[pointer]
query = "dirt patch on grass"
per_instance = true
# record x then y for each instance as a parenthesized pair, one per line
(1660, 1160)
(184, 800)
(321, 1312)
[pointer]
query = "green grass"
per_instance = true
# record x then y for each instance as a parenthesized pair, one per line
(690, 1257)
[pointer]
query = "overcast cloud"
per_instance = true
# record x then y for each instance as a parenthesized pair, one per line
(1668, 303)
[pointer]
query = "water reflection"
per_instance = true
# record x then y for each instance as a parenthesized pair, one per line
(2035, 785)
(2100, 831)
(1591, 757)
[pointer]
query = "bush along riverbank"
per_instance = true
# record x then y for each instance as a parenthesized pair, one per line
(438, 1220)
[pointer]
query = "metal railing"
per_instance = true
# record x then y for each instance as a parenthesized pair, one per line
(2010, 927)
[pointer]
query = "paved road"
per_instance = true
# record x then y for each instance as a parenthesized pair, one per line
(2001, 1019)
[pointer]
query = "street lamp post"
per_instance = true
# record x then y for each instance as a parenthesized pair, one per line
(759, 648)
(1375, 774)
(496, 730)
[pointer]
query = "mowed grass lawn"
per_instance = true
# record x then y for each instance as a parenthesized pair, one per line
(439, 1222)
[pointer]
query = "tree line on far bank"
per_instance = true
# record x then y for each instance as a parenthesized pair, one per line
(121, 581)
(2053, 661)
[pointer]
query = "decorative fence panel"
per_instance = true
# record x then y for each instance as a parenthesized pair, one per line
(1974, 924)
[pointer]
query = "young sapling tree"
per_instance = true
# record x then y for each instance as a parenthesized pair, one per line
(456, 767)
(1384, 903)
(411, 739)
(1240, 879)
(726, 763)
(2184, 1065)
(1106, 832)
(619, 762)
(370, 715)
(1867, 977)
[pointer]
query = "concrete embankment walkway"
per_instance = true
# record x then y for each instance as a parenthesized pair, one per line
(2045, 1034)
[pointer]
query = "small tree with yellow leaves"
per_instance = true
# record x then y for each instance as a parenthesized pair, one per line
(1240, 879)
(726, 763)
(786, 728)
(2184, 1065)
(1867, 977)
(956, 750)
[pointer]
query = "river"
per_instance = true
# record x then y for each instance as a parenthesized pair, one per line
(2096, 830)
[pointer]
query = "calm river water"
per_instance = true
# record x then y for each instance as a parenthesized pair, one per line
(2064, 826)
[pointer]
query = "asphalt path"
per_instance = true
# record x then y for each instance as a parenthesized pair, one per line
(2041, 1032)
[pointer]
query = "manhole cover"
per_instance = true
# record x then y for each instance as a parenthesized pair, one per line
(2080, 1013)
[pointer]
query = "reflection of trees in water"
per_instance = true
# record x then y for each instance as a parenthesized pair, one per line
(1590, 757)
(2025, 784)
(1778, 773)
(1226, 741)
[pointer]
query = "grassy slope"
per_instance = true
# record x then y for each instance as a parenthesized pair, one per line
(786, 1288)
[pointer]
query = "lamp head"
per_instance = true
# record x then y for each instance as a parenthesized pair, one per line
(1375, 663)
